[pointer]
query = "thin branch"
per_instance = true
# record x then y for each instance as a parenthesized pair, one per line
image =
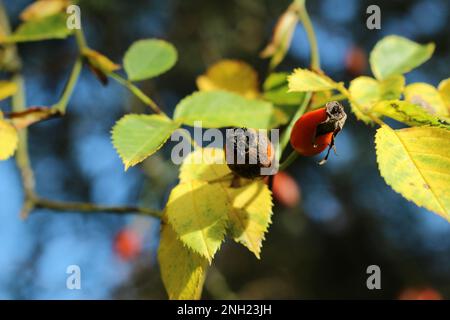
(61, 105)
(22, 158)
(87, 207)
(81, 40)
(31, 200)
(301, 110)
(314, 49)
(289, 160)
(315, 64)
(82, 45)
(19, 105)
(137, 92)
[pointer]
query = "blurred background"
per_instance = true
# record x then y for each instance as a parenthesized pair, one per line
(332, 222)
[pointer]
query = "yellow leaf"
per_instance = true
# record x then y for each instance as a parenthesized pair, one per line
(230, 75)
(206, 164)
(250, 215)
(182, 270)
(444, 91)
(8, 140)
(415, 162)
(303, 80)
(43, 8)
(100, 61)
(7, 89)
(320, 98)
(426, 96)
(409, 113)
(282, 36)
(392, 87)
(197, 212)
(249, 208)
(26, 118)
(365, 92)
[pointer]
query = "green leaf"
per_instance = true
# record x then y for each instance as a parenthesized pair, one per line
(366, 91)
(50, 27)
(303, 80)
(197, 211)
(426, 96)
(249, 207)
(276, 90)
(149, 58)
(137, 137)
(182, 270)
(397, 55)
(8, 139)
(409, 113)
(217, 109)
(415, 162)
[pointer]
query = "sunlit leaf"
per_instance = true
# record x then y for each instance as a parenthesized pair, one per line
(415, 162)
(7, 89)
(282, 36)
(149, 58)
(392, 87)
(8, 139)
(218, 109)
(409, 113)
(50, 27)
(230, 75)
(182, 270)
(366, 91)
(426, 96)
(444, 91)
(207, 164)
(397, 55)
(249, 207)
(43, 8)
(137, 137)
(276, 90)
(250, 215)
(303, 80)
(197, 211)
(320, 98)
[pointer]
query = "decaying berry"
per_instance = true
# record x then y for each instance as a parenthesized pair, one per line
(248, 151)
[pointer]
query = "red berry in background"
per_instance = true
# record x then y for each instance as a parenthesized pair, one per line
(315, 130)
(420, 294)
(356, 61)
(127, 244)
(286, 190)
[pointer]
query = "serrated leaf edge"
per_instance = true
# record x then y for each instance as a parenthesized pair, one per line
(443, 213)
